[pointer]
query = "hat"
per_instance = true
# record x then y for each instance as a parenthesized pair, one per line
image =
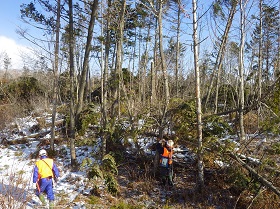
(170, 143)
(42, 152)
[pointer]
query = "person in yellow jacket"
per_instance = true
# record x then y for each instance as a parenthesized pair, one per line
(166, 162)
(44, 172)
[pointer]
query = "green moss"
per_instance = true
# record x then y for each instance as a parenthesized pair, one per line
(93, 200)
(124, 205)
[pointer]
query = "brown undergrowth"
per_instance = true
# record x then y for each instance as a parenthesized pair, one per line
(140, 187)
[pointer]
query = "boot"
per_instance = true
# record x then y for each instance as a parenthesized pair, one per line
(51, 204)
(42, 199)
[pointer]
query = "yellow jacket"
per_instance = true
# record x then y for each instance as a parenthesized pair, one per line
(45, 168)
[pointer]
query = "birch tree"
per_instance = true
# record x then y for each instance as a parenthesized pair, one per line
(242, 6)
(55, 73)
(260, 60)
(200, 166)
(161, 50)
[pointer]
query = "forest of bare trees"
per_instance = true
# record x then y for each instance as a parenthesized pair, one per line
(194, 71)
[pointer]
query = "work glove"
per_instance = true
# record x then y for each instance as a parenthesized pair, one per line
(55, 179)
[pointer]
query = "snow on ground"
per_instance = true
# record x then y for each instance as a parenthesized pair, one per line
(16, 163)
(16, 168)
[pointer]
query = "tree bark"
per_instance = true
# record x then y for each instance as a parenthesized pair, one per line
(260, 62)
(200, 165)
(177, 48)
(261, 179)
(241, 70)
(55, 74)
(153, 66)
(219, 61)
(120, 51)
(72, 83)
(82, 81)
(162, 55)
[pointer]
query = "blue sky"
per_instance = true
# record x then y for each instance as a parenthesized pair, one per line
(10, 42)
(10, 19)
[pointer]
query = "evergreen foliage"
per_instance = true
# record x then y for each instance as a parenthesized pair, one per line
(25, 89)
(87, 117)
(107, 170)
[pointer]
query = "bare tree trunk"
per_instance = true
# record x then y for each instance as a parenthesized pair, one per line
(260, 62)
(104, 75)
(153, 84)
(55, 74)
(256, 175)
(200, 165)
(161, 50)
(153, 67)
(178, 48)
(219, 60)
(119, 51)
(241, 70)
(144, 70)
(72, 81)
(82, 81)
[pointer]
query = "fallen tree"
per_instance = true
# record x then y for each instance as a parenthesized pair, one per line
(260, 178)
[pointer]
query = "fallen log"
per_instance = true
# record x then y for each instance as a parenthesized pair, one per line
(25, 139)
(261, 179)
(256, 163)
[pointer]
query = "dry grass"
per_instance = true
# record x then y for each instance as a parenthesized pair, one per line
(138, 187)
(14, 193)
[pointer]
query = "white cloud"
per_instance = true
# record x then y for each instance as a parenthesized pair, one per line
(14, 52)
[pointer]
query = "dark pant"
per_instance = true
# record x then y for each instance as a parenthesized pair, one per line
(167, 175)
(46, 186)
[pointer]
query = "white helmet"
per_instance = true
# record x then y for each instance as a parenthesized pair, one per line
(170, 143)
(42, 152)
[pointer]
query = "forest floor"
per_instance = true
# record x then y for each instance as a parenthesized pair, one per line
(139, 188)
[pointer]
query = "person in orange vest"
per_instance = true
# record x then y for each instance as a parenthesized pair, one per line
(45, 171)
(166, 162)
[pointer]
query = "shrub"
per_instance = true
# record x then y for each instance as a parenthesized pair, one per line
(107, 171)
(236, 179)
(87, 117)
(25, 88)
(183, 119)
(216, 126)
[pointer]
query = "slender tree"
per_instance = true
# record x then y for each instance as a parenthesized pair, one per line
(161, 51)
(260, 59)
(200, 165)
(85, 67)
(119, 54)
(72, 85)
(178, 48)
(217, 11)
(104, 77)
(242, 5)
(55, 74)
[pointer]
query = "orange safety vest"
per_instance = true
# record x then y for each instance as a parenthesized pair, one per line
(45, 168)
(166, 155)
